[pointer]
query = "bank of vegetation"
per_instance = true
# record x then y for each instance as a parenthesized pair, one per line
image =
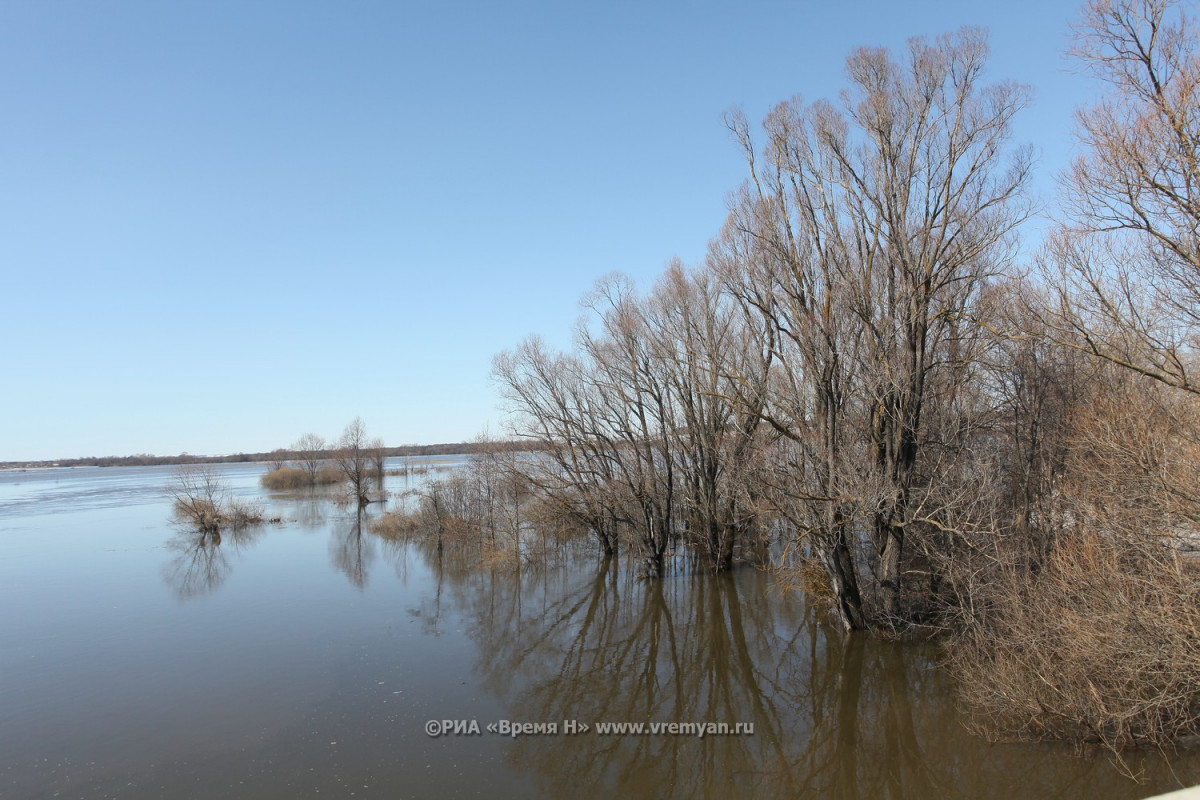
(948, 435)
(283, 477)
(353, 461)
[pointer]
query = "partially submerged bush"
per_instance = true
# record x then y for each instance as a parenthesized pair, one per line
(240, 513)
(1100, 641)
(1101, 647)
(395, 525)
(202, 502)
(804, 572)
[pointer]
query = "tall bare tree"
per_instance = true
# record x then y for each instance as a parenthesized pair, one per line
(870, 231)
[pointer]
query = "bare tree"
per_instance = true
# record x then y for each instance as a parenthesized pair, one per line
(607, 417)
(1126, 259)
(200, 498)
(867, 234)
(634, 414)
(354, 456)
(716, 370)
(552, 403)
(310, 453)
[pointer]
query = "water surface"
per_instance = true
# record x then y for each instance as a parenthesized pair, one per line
(305, 659)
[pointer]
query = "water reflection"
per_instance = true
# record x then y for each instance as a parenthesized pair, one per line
(351, 549)
(200, 562)
(310, 509)
(583, 639)
(833, 716)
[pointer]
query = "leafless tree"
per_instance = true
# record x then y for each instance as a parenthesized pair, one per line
(1126, 258)
(552, 402)
(632, 413)
(310, 453)
(199, 496)
(605, 417)
(354, 458)
(716, 373)
(865, 235)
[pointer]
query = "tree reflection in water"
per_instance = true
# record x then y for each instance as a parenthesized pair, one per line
(310, 509)
(833, 716)
(351, 551)
(200, 562)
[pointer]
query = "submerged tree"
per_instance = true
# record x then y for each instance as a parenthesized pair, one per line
(642, 432)
(716, 366)
(865, 236)
(359, 459)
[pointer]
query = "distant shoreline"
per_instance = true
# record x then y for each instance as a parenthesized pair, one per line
(146, 460)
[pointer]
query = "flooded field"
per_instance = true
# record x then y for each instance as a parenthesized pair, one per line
(308, 658)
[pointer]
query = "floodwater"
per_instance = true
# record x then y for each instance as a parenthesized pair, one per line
(306, 659)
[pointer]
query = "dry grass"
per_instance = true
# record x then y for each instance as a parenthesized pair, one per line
(284, 478)
(395, 525)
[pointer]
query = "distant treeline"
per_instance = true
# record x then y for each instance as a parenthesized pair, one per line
(147, 460)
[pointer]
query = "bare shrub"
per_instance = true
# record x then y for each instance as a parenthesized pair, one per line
(1100, 644)
(241, 513)
(202, 502)
(1101, 647)
(803, 572)
(199, 495)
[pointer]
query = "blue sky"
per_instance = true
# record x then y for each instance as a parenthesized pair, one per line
(223, 225)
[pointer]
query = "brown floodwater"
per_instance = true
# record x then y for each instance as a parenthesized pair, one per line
(307, 660)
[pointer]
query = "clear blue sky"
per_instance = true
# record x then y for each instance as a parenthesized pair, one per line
(225, 224)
